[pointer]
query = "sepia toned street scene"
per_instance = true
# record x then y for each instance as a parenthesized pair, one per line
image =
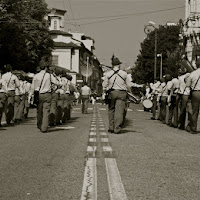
(99, 100)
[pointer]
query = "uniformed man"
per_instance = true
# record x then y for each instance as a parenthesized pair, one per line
(42, 82)
(18, 100)
(66, 109)
(173, 87)
(193, 82)
(183, 93)
(54, 98)
(27, 91)
(117, 82)
(3, 91)
(85, 96)
(61, 96)
(155, 91)
(163, 100)
(12, 83)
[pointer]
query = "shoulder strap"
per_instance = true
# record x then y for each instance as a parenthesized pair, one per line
(121, 76)
(9, 80)
(196, 83)
(42, 81)
(115, 72)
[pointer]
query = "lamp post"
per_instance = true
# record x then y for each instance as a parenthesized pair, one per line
(87, 69)
(148, 29)
(160, 55)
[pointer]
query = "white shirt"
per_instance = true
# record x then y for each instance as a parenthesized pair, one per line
(120, 83)
(85, 90)
(42, 82)
(183, 88)
(11, 81)
(193, 81)
(3, 87)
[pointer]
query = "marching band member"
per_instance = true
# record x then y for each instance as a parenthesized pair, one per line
(194, 83)
(3, 90)
(54, 98)
(12, 83)
(155, 91)
(66, 109)
(184, 93)
(173, 87)
(43, 79)
(61, 97)
(27, 86)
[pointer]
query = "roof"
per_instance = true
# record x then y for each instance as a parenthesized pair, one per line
(65, 45)
(58, 11)
(57, 32)
(63, 69)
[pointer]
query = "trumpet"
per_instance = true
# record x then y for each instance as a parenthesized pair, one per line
(132, 98)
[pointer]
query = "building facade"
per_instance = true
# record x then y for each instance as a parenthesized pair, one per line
(74, 52)
(191, 30)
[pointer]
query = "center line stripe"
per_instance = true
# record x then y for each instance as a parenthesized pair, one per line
(89, 190)
(116, 188)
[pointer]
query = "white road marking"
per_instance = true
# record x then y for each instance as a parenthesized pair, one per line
(93, 129)
(64, 127)
(91, 148)
(102, 108)
(129, 110)
(102, 129)
(89, 190)
(116, 188)
(103, 133)
(140, 110)
(107, 148)
(93, 133)
(104, 139)
(92, 139)
(90, 108)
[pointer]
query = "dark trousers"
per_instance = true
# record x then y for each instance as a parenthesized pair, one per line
(10, 106)
(17, 107)
(163, 108)
(153, 109)
(2, 104)
(67, 108)
(116, 109)
(43, 111)
(60, 107)
(85, 101)
(195, 109)
(173, 112)
(182, 115)
(53, 109)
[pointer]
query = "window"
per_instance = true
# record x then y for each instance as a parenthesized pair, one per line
(54, 60)
(55, 25)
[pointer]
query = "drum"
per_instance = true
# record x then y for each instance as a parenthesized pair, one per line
(147, 103)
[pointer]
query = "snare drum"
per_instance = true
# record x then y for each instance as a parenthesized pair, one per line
(147, 103)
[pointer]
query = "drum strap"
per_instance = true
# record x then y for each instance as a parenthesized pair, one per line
(116, 72)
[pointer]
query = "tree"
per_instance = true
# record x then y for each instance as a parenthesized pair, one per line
(168, 45)
(24, 34)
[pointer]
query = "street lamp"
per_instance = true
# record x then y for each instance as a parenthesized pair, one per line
(148, 29)
(87, 69)
(160, 55)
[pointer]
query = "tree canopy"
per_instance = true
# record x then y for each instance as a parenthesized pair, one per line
(24, 34)
(167, 44)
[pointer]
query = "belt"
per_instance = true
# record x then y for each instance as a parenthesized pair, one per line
(118, 90)
(46, 93)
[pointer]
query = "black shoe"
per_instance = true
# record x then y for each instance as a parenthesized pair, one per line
(153, 118)
(110, 131)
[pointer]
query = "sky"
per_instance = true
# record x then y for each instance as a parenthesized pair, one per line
(117, 26)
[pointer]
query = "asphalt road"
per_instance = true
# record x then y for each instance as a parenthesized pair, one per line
(154, 161)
